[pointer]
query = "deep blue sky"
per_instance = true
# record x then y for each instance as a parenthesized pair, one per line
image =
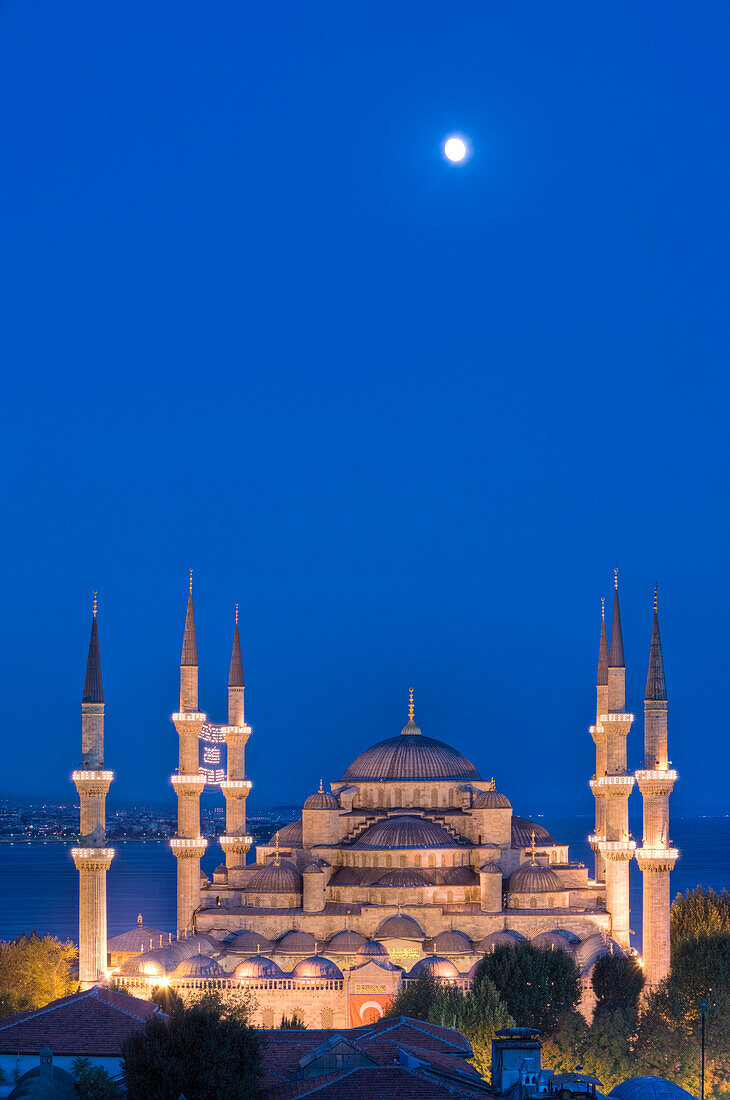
(409, 415)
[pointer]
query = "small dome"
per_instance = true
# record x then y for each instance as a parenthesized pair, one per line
(316, 966)
(402, 876)
(296, 942)
(503, 937)
(590, 950)
(552, 939)
(436, 965)
(221, 869)
(258, 966)
(567, 935)
(249, 942)
(371, 949)
(276, 878)
(316, 867)
(345, 942)
(649, 1088)
(491, 868)
(399, 927)
(198, 966)
(491, 800)
(522, 833)
(290, 836)
(405, 831)
(143, 966)
(321, 800)
(452, 942)
(534, 880)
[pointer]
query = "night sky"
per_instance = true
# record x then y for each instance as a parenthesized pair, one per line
(409, 415)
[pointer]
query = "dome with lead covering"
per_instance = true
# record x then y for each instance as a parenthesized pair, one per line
(290, 836)
(491, 800)
(276, 878)
(248, 942)
(345, 942)
(296, 942)
(590, 950)
(321, 800)
(522, 830)
(452, 942)
(410, 756)
(258, 966)
(143, 966)
(402, 876)
(649, 1088)
(399, 927)
(198, 966)
(503, 937)
(552, 939)
(371, 949)
(435, 965)
(316, 966)
(529, 879)
(405, 831)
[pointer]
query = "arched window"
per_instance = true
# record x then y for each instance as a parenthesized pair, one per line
(533, 903)
(388, 861)
(435, 796)
(417, 861)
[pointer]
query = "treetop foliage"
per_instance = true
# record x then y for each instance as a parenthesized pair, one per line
(699, 912)
(33, 971)
(538, 985)
(617, 982)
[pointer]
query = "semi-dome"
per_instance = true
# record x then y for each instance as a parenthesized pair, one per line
(198, 966)
(258, 966)
(402, 876)
(522, 830)
(503, 937)
(316, 966)
(249, 942)
(290, 836)
(649, 1088)
(491, 800)
(371, 949)
(435, 965)
(452, 942)
(321, 800)
(143, 966)
(410, 756)
(399, 927)
(346, 942)
(529, 879)
(590, 950)
(491, 868)
(405, 831)
(276, 878)
(296, 942)
(555, 940)
(459, 876)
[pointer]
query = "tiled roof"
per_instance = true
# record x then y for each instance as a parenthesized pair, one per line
(139, 938)
(372, 1084)
(94, 1022)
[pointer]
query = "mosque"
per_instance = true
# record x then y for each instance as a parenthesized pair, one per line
(411, 860)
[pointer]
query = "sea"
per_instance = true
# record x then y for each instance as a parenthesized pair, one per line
(40, 884)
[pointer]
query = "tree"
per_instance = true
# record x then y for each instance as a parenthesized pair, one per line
(617, 982)
(566, 1046)
(477, 1014)
(292, 1023)
(416, 997)
(93, 1082)
(608, 1053)
(538, 985)
(33, 971)
(699, 912)
(197, 1051)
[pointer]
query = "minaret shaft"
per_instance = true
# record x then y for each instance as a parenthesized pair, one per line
(236, 842)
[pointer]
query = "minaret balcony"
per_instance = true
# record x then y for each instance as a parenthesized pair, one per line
(188, 784)
(656, 859)
(594, 840)
(188, 716)
(615, 719)
(188, 847)
(235, 788)
(598, 733)
(92, 859)
(656, 782)
(613, 785)
(92, 783)
(617, 851)
(237, 844)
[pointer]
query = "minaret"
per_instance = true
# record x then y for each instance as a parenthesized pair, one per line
(656, 859)
(615, 786)
(598, 733)
(235, 842)
(92, 857)
(188, 845)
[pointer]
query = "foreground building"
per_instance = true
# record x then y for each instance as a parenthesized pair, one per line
(412, 859)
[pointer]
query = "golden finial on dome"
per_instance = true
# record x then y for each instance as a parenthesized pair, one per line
(411, 707)
(93, 606)
(277, 857)
(532, 851)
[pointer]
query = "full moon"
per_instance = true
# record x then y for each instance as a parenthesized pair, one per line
(454, 149)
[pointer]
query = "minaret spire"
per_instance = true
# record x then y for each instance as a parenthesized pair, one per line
(189, 648)
(235, 675)
(236, 841)
(602, 673)
(598, 733)
(93, 690)
(656, 687)
(616, 652)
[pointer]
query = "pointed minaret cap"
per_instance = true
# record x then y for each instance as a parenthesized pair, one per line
(93, 690)
(656, 686)
(602, 674)
(616, 652)
(189, 648)
(235, 676)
